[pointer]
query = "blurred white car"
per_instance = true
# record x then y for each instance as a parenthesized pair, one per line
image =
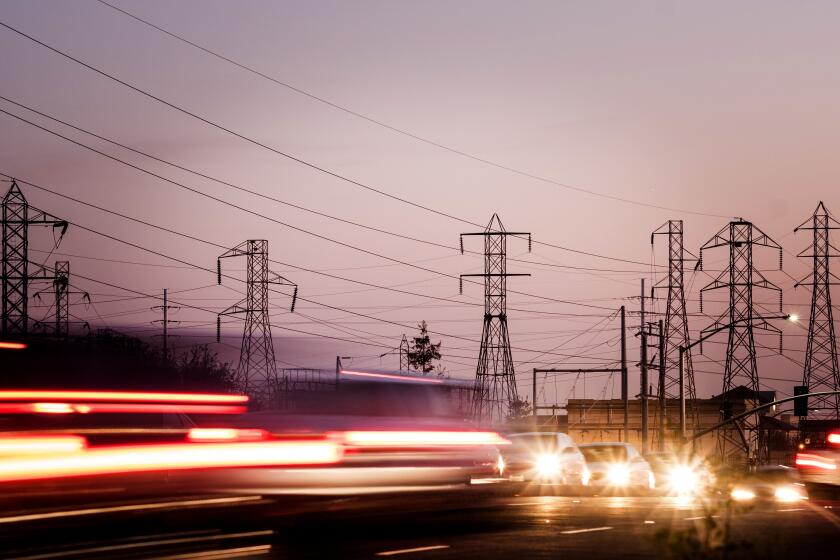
(617, 466)
(544, 457)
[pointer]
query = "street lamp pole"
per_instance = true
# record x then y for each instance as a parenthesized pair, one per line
(684, 349)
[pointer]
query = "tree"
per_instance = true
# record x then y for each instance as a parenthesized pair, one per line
(519, 408)
(423, 354)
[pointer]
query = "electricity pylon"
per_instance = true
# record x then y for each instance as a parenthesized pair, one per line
(821, 372)
(404, 348)
(256, 374)
(17, 271)
(741, 321)
(495, 378)
(676, 323)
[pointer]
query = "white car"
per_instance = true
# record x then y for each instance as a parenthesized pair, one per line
(617, 467)
(549, 457)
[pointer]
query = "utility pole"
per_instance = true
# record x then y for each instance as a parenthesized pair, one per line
(256, 374)
(740, 278)
(821, 372)
(625, 397)
(495, 378)
(643, 366)
(661, 412)
(676, 322)
(16, 274)
(165, 322)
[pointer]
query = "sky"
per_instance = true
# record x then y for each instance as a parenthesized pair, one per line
(588, 124)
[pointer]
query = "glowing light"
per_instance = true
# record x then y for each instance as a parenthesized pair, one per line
(834, 437)
(683, 480)
(143, 458)
(12, 346)
(793, 317)
(788, 494)
(36, 444)
(123, 396)
(742, 495)
(391, 376)
(809, 460)
(422, 438)
(226, 434)
(52, 408)
(500, 465)
(585, 476)
(619, 475)
(547, 464)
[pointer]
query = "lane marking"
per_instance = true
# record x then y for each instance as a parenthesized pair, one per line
(699, 517)
(589, 530)
(133, 507)
(145, 544)
(410, 550)
(791, 509)
(649, 522)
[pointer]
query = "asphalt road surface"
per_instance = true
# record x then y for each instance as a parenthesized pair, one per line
(415, 527)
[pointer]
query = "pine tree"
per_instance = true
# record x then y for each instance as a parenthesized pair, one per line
(423, 354)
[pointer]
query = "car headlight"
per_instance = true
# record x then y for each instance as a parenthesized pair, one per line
(788, 494)
(683, 480)
(742, 494)
(547, 464)
(619, 475)
(500, 465)
(585, 476)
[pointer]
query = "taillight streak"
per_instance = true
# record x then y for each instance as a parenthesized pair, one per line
(118, 408)
(122, 396)
(161, 457)
(421, 438)
(834, 437)
(226, 434)
(810, 460)
(40, 444)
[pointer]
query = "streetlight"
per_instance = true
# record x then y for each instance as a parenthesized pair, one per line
(684, 349)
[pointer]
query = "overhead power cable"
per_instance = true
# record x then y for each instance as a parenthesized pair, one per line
(280, 152)
(402, 131)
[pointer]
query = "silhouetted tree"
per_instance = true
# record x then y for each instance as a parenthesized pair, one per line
(423, 354)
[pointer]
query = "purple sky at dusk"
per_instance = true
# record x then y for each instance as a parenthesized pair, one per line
(713, 110)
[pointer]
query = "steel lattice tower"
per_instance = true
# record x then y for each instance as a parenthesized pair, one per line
(821, 372)
(256, 374)
(404, 348)
(741, 321)
(61, 286)
(495, 379)
(17, 216)
(676, 323)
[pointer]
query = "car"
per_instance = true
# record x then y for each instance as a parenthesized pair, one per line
(617, 467)
(679, 474)
(769, 483)
(547, 457)
(819, 465)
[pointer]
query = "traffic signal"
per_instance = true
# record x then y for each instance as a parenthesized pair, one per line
(800, 404)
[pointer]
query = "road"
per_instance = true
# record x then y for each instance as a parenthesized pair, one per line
(433, 528)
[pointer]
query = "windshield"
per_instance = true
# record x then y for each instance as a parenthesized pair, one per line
(542, 441)
(604, 453)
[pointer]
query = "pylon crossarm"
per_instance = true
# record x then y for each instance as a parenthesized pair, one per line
(235, 308)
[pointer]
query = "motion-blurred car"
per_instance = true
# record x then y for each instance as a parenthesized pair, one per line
(775, 483)
(617, 467)
(679, 475)
(549, 457)
(397, 434)
(820, 465)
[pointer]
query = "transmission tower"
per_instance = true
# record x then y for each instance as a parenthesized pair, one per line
(676, 324)
(821, 371)
(17, 216)
(495, 379)
(165, 322)
(61, 290)
(256, 374)
(741, 321)
(404, 366)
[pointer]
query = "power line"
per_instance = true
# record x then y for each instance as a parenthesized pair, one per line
(403, 131)
(275, 150)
